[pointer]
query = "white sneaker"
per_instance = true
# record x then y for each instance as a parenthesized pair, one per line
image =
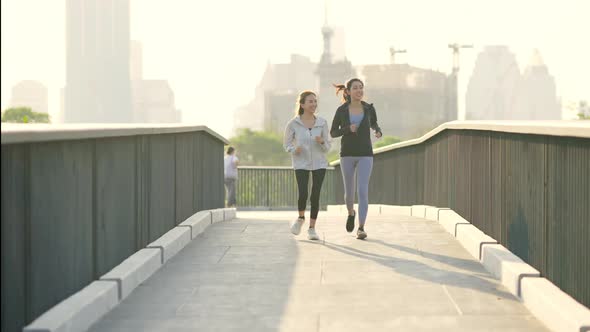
(296, 226)
(312, 235)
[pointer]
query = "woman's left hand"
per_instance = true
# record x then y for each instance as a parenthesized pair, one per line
(378, 134)
(319, 139)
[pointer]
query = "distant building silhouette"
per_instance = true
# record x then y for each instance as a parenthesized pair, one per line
(536, 98)
(409, 101)
(31, 94)
(280, 106)
(338, 44)
(98, 88)
(498, 91)
(276, 95)
(492, 88)
(331, 72)
(153, 100)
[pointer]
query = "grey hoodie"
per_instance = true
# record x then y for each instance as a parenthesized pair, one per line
(313, 154)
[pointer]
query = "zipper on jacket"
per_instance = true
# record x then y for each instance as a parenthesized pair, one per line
(311, 148)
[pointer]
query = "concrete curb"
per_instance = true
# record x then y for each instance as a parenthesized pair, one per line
(553, 307)
(547, 302)
(217, 215)
(334, 208)
(229, 214)
(472, 239)
(432, 213)
(419, 210)
(506, 266)
(374, 209)
(198, 222)
(449, 220)
(172, 242)
(79, 311)
(396, 209)
(134, 270)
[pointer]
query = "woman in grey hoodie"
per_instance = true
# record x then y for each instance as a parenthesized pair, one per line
(307, 138)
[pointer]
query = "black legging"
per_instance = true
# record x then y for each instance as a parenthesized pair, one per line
(317, 179)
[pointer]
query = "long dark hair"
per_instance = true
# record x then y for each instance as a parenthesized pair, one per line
(301, 100)
(345, 88)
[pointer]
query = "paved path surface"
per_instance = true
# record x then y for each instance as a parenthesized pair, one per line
(251, 274)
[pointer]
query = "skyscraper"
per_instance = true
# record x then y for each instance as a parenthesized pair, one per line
(492, 88)
(152, 100)
(136, 60)
(97, 61)
(536, 98)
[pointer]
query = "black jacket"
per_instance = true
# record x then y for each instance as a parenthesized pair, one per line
(355, 144)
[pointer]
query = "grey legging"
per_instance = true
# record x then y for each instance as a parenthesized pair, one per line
(363, 166)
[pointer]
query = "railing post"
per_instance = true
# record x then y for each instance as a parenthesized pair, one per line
(268, 189)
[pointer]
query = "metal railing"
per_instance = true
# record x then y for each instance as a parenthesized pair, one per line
(526, 184)
(262, 187)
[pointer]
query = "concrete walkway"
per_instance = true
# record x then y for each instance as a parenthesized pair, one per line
(252, 274)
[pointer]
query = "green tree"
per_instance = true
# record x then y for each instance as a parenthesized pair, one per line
(24, 115)
(386, 140)
(260, 148)
(583, 110)
(333, 155)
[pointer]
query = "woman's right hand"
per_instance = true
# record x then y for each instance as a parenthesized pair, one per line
(353, 128)
(297, 150)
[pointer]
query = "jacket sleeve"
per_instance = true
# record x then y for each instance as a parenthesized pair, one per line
(337, 129)
(374, 124)
(327, 139)
(288, 138)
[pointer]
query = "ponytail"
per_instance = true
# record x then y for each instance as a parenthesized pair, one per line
(345, 88)
(345, 95)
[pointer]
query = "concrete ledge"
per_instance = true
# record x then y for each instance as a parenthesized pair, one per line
(26, 133)
(79, 311)
(419, 210)
(216, 215)
(198, 222)
(172, 242)
(506, 266)
(335, 208)
(396, 209)
(374, 209)
(450, 219)
(553, 307)
(229, 214)
(432, 213)
(134, 270)
(472, 239)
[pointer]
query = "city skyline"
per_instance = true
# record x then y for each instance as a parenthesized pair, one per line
(216, 52)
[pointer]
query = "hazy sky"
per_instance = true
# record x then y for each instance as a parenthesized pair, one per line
(214, 52)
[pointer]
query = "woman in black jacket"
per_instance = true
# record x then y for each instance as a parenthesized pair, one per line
(354, 120)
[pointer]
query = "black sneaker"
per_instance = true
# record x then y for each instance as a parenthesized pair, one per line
(350, 223)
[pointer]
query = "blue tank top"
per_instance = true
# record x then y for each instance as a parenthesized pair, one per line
(356, 119)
